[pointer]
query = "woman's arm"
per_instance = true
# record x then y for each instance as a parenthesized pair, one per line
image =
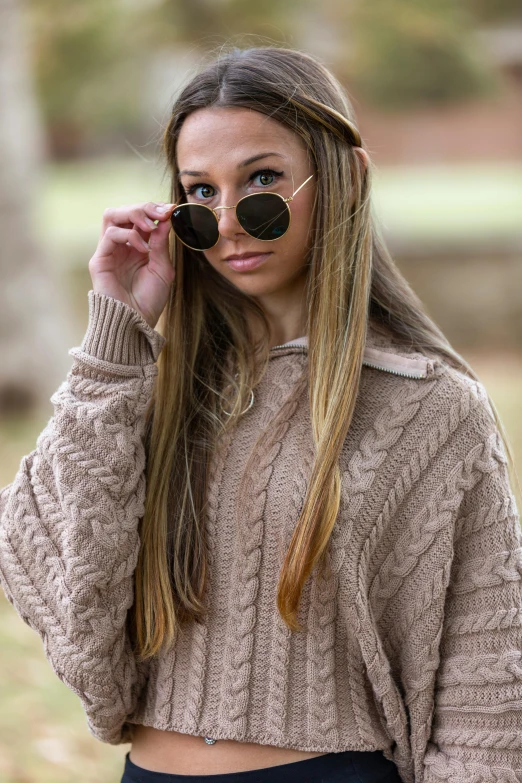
(476, 732)
(68, 522)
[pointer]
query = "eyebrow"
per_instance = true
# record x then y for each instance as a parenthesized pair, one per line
(242, 165)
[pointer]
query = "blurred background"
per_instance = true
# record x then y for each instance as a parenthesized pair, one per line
(85, 92)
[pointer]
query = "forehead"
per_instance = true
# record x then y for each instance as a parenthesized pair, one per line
(215, 135)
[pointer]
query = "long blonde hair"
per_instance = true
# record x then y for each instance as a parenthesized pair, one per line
(351, 279)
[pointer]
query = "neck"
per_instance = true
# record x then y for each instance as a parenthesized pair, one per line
(285, 313)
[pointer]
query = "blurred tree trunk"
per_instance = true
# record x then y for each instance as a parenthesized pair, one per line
(32, 355)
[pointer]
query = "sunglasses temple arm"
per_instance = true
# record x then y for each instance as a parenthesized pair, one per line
(301, 186)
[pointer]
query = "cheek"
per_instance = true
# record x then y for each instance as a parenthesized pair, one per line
(300, 226)
(300, 221)
(302, 211)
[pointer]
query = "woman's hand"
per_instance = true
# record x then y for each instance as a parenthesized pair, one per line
(125, 268)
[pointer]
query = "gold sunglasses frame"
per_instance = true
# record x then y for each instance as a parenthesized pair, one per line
(250, 195)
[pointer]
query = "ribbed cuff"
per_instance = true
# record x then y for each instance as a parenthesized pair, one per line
(117, 333)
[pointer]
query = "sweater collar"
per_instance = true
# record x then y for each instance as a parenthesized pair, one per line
(381, 353)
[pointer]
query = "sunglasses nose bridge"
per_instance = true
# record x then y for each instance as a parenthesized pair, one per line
(227, 226)
(215, 211)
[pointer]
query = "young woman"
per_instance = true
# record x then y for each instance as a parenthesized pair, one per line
(274, 540)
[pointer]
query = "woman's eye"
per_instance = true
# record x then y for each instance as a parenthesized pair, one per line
(263, 178)
(206, 191)
(266, 177)
(202, 191)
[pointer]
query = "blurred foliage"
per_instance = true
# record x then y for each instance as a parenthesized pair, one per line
(194, 20)
(418, 53)
(498, 11)
(92, 59)
(87, 64)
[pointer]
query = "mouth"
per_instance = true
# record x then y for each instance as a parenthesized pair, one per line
(244, 262)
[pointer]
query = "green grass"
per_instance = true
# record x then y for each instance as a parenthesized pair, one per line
(457, 202)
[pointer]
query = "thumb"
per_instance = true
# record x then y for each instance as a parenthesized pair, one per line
(159, 245)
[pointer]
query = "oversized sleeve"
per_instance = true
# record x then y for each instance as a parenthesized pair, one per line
(69, 520)
(476, 728)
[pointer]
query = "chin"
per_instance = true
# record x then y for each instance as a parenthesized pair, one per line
(264, 288)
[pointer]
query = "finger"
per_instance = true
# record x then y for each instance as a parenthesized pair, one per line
(163, 211)
(144, 234)
(105, 226)
(159, 256)
(142, 215)
(140, 223)
(114, 236)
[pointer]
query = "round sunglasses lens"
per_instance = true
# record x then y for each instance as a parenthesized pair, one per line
(264, 215)
(196, 226)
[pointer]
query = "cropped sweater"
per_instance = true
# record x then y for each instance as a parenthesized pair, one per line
(412, 638)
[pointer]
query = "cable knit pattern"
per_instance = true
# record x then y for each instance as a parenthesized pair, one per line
(412, 634)
(68, 539)
(275, 421)
(280, 651)
(196, 677)
(323, 717)
(406, 481)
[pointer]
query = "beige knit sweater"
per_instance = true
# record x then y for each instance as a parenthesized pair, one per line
(413, 642)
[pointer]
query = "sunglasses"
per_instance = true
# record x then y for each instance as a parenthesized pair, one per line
(265, 216)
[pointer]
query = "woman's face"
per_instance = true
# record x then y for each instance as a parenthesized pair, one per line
(215, 153)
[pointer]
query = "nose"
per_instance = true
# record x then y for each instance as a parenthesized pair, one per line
(229, 226)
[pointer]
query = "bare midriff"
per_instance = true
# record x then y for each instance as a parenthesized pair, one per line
(185, 754)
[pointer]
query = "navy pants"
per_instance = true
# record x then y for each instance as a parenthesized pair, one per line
(350, 766)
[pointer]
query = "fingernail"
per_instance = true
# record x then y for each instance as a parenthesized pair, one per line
(150, 223)
(164, 207)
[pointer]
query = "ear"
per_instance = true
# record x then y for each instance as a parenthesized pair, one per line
(363, 155)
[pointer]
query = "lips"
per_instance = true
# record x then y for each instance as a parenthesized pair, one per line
(243, 256)
(246, 261)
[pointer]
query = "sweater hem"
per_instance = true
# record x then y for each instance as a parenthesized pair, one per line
(260, 738)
